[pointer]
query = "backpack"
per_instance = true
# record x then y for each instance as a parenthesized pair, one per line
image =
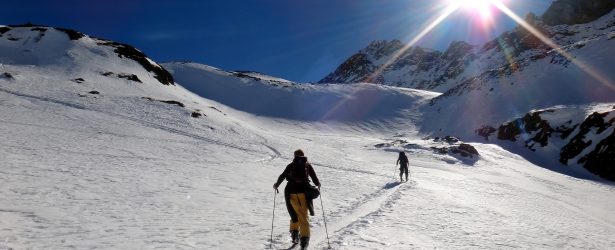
(299, 171)
(403, 159)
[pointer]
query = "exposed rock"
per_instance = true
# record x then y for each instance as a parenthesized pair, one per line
(440, 150)
(530, 123)
(7, 75)
(485, 131)
(78, 80)
(196, 114)
(4, 29)
(465, 150)
(94, 92)
(168, 102)
(566, 129)
(174, 103)
(448, 139)
(578, 143)
(41, 29)
(127, 51)
(391, 144)
(576, 11)
(601, 161)
(72, 34)
(131, 77)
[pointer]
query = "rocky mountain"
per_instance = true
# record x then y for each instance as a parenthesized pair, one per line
(440, 71)
(45, 46)
(575, 135)
(417, 67)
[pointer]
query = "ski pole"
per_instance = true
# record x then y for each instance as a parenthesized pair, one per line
(275, 194)
(325, 219)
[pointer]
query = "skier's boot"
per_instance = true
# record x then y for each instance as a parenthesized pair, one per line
(294, 236)
(401, 178)
(305, 241)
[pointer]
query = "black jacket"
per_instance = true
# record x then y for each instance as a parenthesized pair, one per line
(296, 173)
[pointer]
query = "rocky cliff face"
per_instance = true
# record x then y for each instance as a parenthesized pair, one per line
(576, 11)
(573, 135)
(417, 67)
(422, 68)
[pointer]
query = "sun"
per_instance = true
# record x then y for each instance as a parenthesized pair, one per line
(483, 7)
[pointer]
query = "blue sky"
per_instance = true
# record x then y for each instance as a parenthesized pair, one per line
(300, 40)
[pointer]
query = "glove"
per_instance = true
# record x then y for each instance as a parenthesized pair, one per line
(275, 186)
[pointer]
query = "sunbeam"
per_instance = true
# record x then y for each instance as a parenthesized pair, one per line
(445, 13)
(586, 68)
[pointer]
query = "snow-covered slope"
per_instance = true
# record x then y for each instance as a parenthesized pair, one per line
(262, 95)
(502, 80)
(98, 160)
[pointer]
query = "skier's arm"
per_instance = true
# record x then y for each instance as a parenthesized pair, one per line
(281, 178)
(313, 176)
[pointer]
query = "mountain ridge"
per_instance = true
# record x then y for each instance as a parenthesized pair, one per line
(435, 71)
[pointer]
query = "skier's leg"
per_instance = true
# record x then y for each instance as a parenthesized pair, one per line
(406, 170)
(300, 205)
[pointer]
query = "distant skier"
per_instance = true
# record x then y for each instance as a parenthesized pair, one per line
(403, 163)
(296, 173)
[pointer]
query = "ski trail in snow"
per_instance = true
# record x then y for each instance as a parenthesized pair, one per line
(382, 199)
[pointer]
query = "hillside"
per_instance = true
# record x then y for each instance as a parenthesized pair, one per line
(491, 85)
(93, 158)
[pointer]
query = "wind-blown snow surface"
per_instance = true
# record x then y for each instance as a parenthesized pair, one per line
(117, 171)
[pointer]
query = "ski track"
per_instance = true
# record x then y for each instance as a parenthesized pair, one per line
(118, 172)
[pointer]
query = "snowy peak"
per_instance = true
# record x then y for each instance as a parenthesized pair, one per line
(438, 71)
(47, 46)
(382, 62)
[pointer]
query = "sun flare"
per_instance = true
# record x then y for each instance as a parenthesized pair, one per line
(483, 7)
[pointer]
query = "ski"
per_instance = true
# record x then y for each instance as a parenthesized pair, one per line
(293, 246)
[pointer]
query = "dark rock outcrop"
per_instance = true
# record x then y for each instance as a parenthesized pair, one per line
(576, 11)
(530, 123)
(577, 139)
(196, 114)
(578, 143)
(166, 101)
(4, 30)
(72, 34)
(601, 161)
(465, 150)
(131, 77)
(127, 51)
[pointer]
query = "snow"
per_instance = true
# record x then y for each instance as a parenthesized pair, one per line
(117, 171)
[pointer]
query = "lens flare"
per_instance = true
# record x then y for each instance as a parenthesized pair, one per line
(598, 76)
(483, 7)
